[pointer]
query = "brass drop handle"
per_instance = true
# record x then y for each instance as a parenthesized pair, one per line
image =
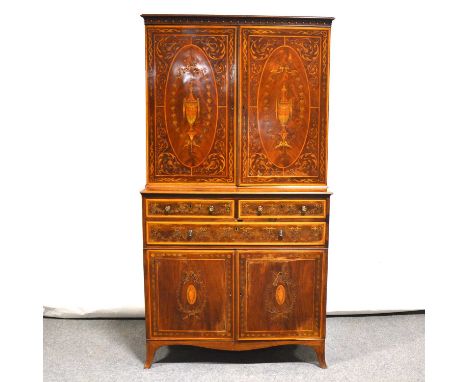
(280, 234)
(259, 210)
(303, 209)
(167, 209)
(190, 233)
(210, 210)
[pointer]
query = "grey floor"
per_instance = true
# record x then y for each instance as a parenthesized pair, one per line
(375, 348)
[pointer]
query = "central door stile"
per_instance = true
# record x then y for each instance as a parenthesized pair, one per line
(236, 296)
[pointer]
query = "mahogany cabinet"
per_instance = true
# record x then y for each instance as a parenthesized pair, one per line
(236, 206)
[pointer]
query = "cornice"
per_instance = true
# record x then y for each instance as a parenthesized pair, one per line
(168, 19)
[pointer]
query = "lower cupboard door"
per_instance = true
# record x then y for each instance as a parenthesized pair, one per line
(282, 294)
(189, 293)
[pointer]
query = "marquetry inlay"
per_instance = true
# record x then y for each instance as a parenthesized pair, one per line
(236, 208)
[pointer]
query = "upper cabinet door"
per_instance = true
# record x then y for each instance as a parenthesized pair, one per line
(284, 99)
(190, 95)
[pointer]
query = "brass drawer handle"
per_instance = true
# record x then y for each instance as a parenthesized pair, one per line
(190, 234)
(303, 209)
(259, 210)
(167, 209)
(211, 210)
(280, 234)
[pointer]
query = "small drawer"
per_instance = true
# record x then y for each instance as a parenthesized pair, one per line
(283, 208)
(242, 233)
(159, 208)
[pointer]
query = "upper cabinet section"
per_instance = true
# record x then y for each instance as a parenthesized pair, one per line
(284, 105)
(237, 100)
(190, 110)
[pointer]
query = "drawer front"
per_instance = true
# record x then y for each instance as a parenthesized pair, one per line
(277, 233)
(189, 207)
(283, 208)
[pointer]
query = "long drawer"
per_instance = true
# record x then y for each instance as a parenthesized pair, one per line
(193, 208)
(283, 208)
(217, 233)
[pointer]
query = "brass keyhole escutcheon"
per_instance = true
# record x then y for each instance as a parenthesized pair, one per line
(280, 234)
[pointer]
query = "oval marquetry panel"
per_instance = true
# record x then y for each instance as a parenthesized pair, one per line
(191, 294)
(283, 107)
(280, 294)
(191, 106)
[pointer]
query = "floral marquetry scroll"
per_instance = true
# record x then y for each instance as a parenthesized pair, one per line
(190, 104)
(219, 233)
(280, 295)
(191, 287)
(284, 77)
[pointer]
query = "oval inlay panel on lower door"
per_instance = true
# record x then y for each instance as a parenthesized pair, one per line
(280, 294)
(191, 294)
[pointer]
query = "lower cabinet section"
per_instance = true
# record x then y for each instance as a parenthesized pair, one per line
(251, 294)
(190, 294)
(281, 294)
